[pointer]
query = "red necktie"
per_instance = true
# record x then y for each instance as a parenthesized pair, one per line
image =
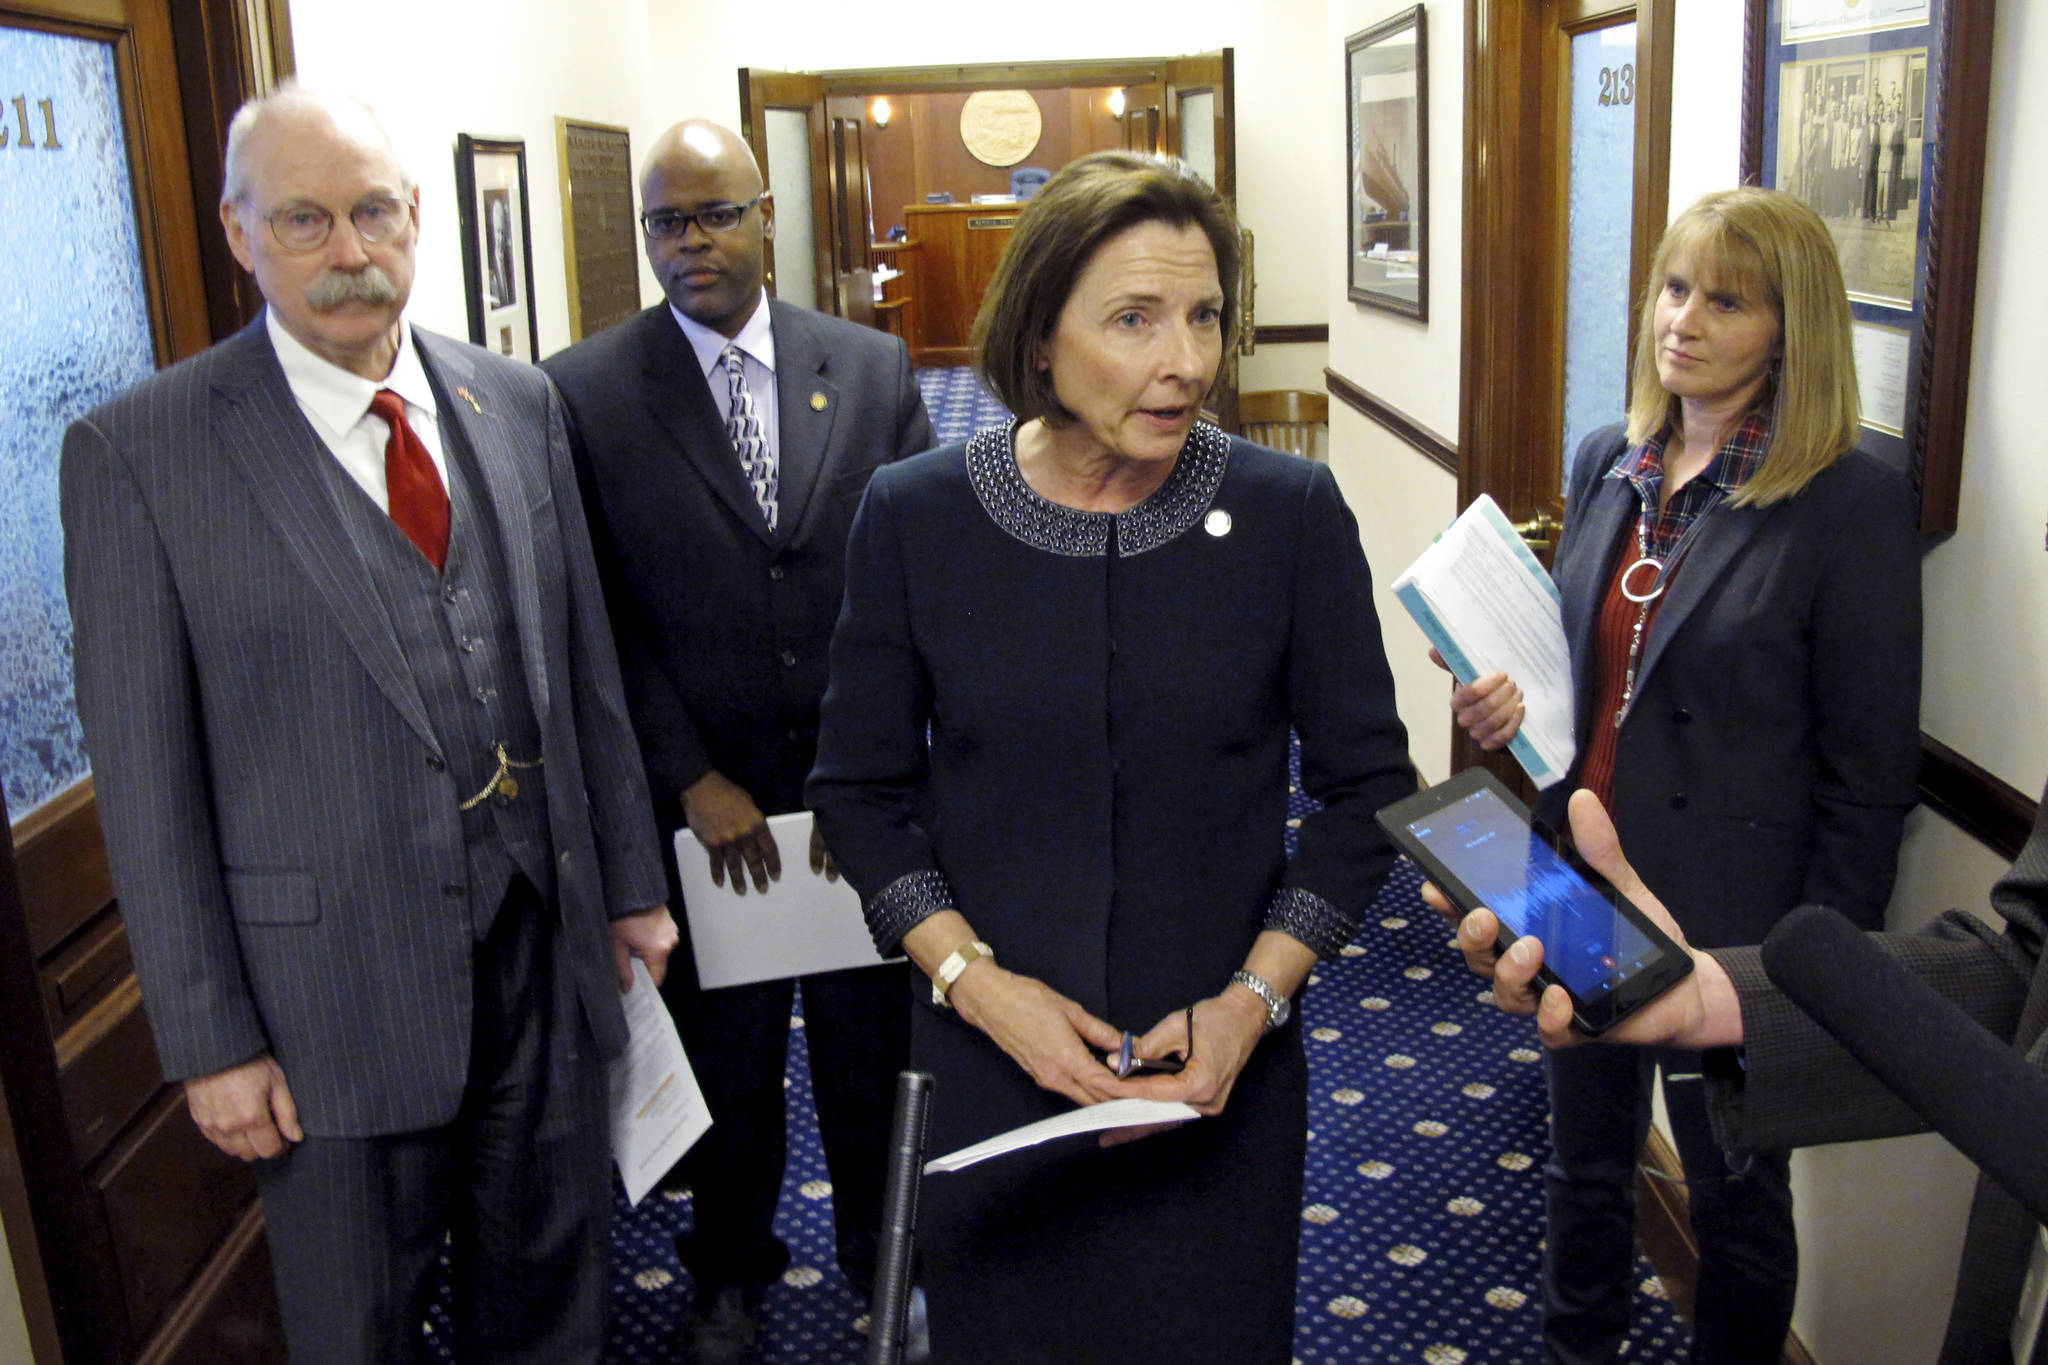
(419, 504)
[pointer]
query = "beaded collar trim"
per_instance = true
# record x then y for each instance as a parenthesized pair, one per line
(1178, 504)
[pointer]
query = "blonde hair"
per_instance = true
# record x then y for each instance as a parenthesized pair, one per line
(1768, 246)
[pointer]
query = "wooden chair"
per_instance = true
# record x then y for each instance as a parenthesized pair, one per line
(1284, 419)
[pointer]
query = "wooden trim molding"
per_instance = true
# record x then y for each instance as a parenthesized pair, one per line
(1292, 334)
(1435, 447)
(1995, 813)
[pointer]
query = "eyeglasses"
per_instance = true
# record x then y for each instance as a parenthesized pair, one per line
(378, 219)
(664, 224)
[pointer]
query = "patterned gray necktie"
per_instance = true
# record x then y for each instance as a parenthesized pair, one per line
(757, 461)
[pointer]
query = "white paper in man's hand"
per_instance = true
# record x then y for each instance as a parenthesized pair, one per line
(657, 1109)
(802, 924)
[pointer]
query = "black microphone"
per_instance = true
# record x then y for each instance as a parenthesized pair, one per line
(1968, 1084)
(889, 1313)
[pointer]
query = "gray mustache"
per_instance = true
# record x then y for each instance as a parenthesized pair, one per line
(338, 287)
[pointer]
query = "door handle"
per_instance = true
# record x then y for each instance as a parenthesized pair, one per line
(1539, 532)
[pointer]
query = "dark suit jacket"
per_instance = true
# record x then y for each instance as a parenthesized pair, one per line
(1773, 746)
(279, 816)
(722, 627)
(1802, 1088)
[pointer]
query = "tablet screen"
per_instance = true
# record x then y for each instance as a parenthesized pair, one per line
(1510, 870)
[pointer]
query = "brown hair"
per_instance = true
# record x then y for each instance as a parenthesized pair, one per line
(1764, 245)
(1091, 200)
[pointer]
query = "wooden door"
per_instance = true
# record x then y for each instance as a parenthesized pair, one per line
(851, 208)
(782, 116)
(1518, 247)
(132, 1238)
(1200, 128)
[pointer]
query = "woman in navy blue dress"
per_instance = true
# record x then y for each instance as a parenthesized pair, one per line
(1054, 764)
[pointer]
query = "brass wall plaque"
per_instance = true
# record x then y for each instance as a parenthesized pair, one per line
(599, 243)
(1000, 127)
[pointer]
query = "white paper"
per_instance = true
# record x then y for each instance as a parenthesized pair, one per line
(1883, 369)
(1090, 1118)
(657, 1109)
(1487, 604)
(801, 924)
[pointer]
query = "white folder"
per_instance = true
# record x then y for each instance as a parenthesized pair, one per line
(802, 924)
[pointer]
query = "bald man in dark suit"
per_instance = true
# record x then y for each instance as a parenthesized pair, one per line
(725, 439)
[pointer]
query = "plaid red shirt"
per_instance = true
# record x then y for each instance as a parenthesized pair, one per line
(1733, 465)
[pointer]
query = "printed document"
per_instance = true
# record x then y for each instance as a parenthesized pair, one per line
(801, 924)
(657, 1109)
(1487, 604)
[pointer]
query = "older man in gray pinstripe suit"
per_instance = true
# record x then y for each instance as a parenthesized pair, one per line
(375, 811)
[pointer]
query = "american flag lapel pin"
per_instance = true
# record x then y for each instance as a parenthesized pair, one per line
(466, 396)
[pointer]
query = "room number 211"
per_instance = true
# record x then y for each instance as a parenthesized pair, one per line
(20, 102)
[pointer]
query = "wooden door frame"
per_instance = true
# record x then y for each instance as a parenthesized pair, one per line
(182, 68)
(760, 91)
(1511, 392)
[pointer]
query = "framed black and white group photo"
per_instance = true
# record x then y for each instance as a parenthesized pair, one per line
(1873, 112)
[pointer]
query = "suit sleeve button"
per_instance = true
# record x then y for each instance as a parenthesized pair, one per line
(789, 658)
(1679, 801)
(1682, 716)
(454, 890)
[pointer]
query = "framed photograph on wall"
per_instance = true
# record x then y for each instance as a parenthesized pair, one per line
(1386, 113)
(1873, 113)
(497, 244)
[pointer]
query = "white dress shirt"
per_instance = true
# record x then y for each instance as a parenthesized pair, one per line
(337, 403)
(756, 343)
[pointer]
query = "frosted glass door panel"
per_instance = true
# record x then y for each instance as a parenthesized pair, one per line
(1198, 133)
(76, 318)
(1600, 204)
(789, 176)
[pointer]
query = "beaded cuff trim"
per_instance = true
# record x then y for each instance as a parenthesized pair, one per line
(904, 904)
(1306, 916)
(1178, 504)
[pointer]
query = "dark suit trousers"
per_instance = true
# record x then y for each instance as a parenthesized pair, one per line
(520, 1182)
(857, 1029)
(1741, 1214)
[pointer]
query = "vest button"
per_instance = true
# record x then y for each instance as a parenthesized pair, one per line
(789, 658)
(1679, 801)
(1682, 716)
(776, 573)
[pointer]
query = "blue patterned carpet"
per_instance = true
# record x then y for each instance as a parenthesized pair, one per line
(1423, 1222)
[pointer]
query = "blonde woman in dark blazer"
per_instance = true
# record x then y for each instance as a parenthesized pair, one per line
(1742, 598)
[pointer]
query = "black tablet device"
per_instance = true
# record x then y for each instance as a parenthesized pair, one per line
(1473, 839)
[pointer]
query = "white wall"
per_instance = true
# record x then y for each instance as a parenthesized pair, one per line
(503, 73)
(645, 64)
(14, 1348)
(1402, 499)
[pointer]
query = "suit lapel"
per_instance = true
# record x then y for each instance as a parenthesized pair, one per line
(1727, 530)
(258, 423)
(466, 416)
(681, 399)
(1611, 506)
(807, 406)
